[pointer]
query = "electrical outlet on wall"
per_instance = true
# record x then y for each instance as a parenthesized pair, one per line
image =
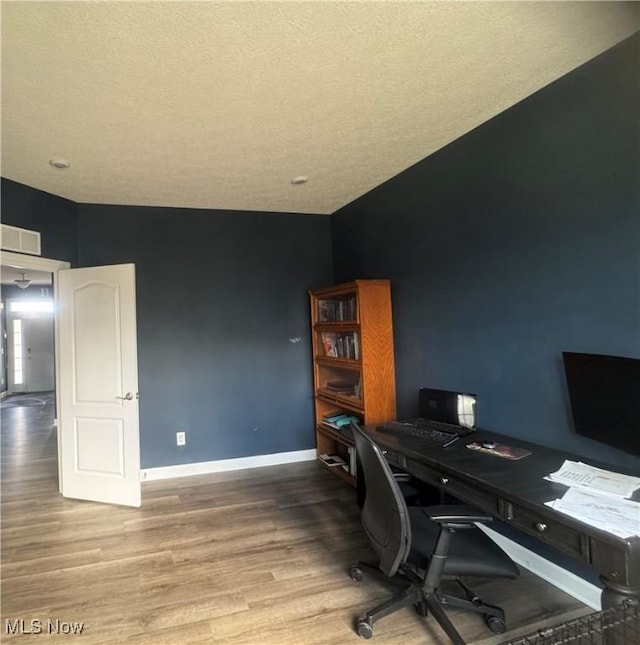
(181, 438)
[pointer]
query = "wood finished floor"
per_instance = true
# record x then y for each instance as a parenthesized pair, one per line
(248, 557)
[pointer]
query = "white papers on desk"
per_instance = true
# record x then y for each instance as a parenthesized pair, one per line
(596, 497)
(595, 480)
(618, 516)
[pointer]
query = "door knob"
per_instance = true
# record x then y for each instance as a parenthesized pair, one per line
(127, 397)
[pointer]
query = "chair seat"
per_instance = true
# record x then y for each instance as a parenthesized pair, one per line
(472, 553)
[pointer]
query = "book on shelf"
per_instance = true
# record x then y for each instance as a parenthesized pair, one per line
(357, 391)
(340, 344)
(332, 460)
(345, 421)
(324, 311)
(330, 416)
(353, 467)
(347, 346)
(340, 387)
(337, 309)
(329, 343)
(338, 422)
(354, 347)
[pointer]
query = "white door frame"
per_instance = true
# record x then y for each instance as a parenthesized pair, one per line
(37, 263)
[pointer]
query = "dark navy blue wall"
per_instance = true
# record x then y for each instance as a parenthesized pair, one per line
(55, 218)
(514, 243)
(221, 300)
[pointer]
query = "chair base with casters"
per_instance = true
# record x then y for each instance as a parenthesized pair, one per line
(419, 579)
(412, 594)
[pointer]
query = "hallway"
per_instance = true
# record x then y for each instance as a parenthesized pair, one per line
(28, 446)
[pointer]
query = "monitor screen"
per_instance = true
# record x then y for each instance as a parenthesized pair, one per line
(604, 395)
(454, 408)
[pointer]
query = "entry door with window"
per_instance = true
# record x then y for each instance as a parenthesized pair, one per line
(37, 334)
(99, 434)
(31, 364)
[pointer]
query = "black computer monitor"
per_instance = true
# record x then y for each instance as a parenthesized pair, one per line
(443, 406)
(604, 397)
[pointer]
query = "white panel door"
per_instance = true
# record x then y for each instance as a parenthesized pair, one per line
(38, 352)
(99, 433)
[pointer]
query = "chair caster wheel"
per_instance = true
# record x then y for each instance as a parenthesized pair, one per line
(364, 628)
(495, 624)
(355, 572)
(421, 608)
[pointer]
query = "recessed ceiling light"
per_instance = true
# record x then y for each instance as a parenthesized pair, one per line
(298, 181)
(61, 164)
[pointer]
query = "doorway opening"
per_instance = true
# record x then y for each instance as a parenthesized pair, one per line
(96, 378)
(27, 326)
(30, 364)
(28, 356)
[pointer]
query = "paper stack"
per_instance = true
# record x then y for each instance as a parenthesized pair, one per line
(597, 497)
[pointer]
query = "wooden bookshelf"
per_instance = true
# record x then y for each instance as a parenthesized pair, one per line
(353, 364)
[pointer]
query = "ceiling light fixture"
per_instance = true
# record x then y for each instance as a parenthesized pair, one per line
(298, 181)
(22, 282)
(58, 163)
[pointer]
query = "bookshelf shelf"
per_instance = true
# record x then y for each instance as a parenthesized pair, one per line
(353, 366)
(336, 435)
(337, 326)
(340, 472)
(350, 403)
(343, 363)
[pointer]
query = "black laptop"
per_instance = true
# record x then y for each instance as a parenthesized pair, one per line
(453, 412)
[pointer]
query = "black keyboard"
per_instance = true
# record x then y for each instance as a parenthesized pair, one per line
(430, 435)
(444, 427)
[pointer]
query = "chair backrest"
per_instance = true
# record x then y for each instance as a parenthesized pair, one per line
(385, 517)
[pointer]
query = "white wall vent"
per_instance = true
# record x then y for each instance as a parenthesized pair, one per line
(20, 240)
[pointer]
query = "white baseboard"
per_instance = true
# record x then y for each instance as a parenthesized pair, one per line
(225, 465)
(564, 580)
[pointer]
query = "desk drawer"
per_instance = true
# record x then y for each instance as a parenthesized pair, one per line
(453, 486)
(563, 537)
(395, 459)
(614, 563)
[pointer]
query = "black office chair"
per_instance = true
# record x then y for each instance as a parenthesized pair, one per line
(420, 547)
(415, 492)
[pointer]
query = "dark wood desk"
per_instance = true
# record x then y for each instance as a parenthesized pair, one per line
(515, 492)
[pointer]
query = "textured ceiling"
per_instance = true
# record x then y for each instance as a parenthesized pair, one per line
(221, 104)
